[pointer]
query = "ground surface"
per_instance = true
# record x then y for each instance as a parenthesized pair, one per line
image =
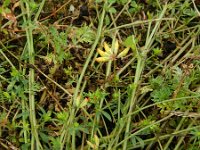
(96, 74)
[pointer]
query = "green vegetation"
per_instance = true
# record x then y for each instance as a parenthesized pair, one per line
(100, 74)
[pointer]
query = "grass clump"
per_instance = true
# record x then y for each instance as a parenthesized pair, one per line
(116, 74)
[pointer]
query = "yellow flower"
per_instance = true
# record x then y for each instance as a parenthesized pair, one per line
(111, 53)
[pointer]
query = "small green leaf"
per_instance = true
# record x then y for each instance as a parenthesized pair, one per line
(157, 51)
(44, 137)
(62, 115)
(107, 115)
(76, 124)
(6, 3)
(131, 42)
(141, 141)
(7, 95)
(107, 20)
(112, 10)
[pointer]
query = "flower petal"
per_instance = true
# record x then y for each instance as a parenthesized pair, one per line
(102, 59)
(102, 53)
(116, 47)
(123, 53)
(107, 48)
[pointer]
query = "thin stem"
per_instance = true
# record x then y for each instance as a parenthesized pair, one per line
(140, 66)
(171, 138)
(182, 138)
(29, 35)
(99, 32)
(2, 53)
(138, 145)
(39, 10)
(72, 112)
(137, 23)
(135, 133)
(108, 68)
